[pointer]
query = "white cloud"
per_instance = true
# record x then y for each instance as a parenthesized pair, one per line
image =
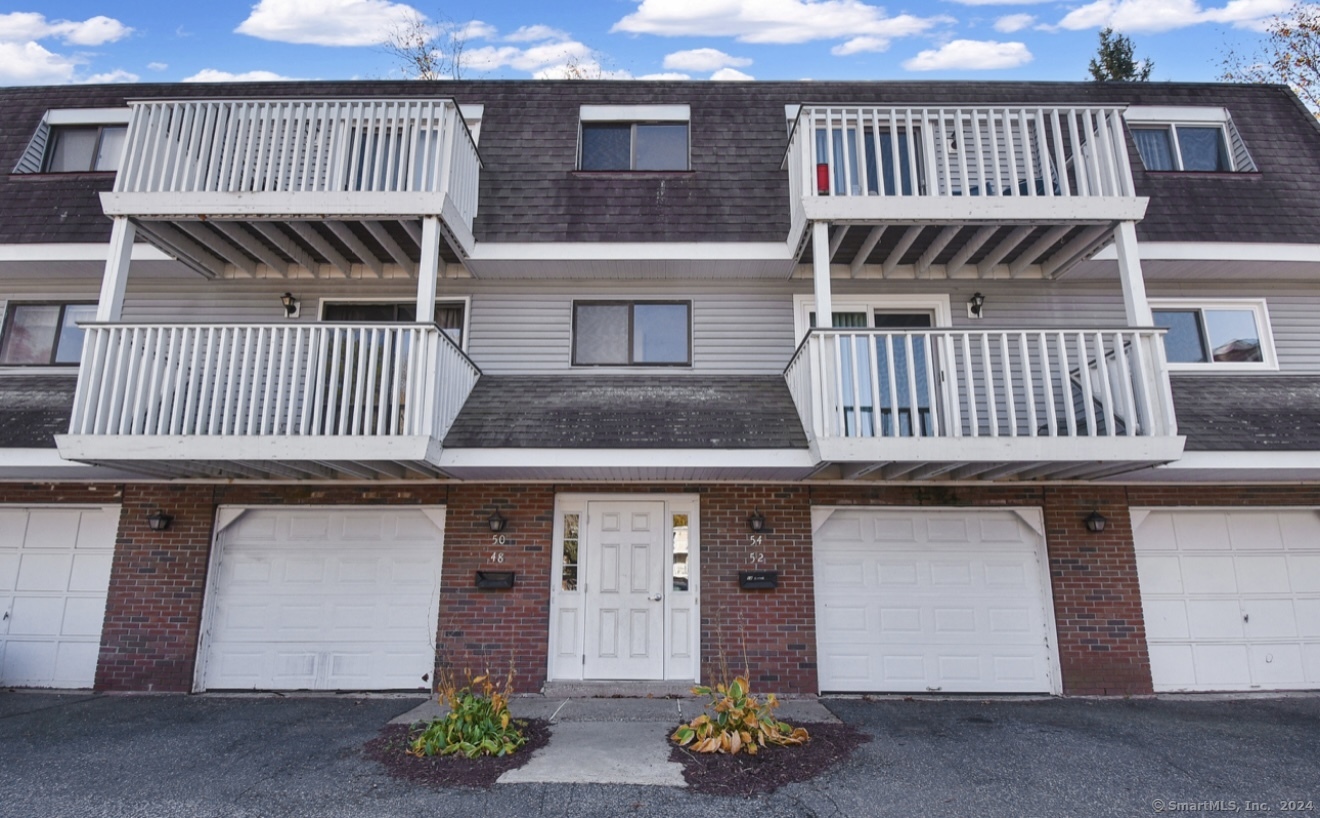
(327, 22)
(30, 64)
(533, 59)
(29, 26)
(1001, 2)
(1167, 15)
(859, 44)
(475, 30)
(117, 75)
(973, 55)
(730, 74)
(704, 59)
(665, 75)
(157, 66)
(216, 75)
(1010, 23)
(772, 21)
(532, 34)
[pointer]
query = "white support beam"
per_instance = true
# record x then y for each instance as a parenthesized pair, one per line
(904, 244)
(276, 236)
(414, 231)
(110, 307)
(185, 249)
(344, 234)
(428, 269)
(969, 248)
(1033, 253)
(1129, 274)
(872, 239)
(240, 235)
(325, 248)
(1073, 251)
(1002, 250)
(226, 250)
(820, 268)
(380, 234)
(936, 247)
(839, 234)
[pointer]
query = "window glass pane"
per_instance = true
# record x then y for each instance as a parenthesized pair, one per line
(69, 350)
(449, 317)
(660, 334)
(842, 320)
(1234, 336)
(72, 150)
(1202, 148)
(903, 320)
(600, 334)
(568, 580)
(367, 313)
(680, 552)
(30, 335)
(606, 147)
(1183, 343)
(662, 147)
(1155, 148)
(112, 146)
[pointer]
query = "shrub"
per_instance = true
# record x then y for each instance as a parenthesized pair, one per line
(478, 722)
(742, 722)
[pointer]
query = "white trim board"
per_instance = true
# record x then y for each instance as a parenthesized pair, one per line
(75, 252)
(1216, 251)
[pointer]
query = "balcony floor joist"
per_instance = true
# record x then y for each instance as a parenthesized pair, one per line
(303, 248)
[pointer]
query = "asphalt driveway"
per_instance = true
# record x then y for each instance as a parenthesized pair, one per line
(83, 755)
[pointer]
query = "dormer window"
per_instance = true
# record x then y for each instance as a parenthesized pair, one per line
(80, 149)
(1187, 139)
(634, 137)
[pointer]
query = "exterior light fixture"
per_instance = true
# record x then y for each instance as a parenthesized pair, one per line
(159, 520)
(1095, 522)
(974, 305)
(756, 521)
(496, 521)
(292, 307)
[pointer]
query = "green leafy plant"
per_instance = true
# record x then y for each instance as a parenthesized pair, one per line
(478, 722)
(741, 722)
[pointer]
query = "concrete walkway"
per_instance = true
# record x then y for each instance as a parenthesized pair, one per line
(610, 741)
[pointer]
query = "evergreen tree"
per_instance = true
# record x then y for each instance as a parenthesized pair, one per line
(1114, 62)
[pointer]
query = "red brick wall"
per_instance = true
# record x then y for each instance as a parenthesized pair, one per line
(484, 629)
(157, 580)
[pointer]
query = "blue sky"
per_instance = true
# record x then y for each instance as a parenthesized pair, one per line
(70, 41)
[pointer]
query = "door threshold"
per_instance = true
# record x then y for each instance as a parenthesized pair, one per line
(617, 689)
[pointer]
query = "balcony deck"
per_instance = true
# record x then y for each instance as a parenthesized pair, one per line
(301, 187)
(984, 405)
(261, 401)
(937, 192)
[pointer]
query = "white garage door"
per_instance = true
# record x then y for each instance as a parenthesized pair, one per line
(948, 601)
(54, 572)
(1231, 598)
(323, 599)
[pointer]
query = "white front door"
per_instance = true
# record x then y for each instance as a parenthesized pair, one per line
(624, 592)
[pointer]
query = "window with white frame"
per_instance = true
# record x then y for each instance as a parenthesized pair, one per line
(44, 334)
(1211, 334)
(1170, 138)
(450, 316)
(634, 137)
(77, 140)
(632, 333)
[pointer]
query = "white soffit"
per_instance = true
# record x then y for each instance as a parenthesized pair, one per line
(635, 113)
(630, 259)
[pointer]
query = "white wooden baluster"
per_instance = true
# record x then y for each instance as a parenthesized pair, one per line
(1088, 393)
(892, 375)
(969, 376)
(1125, 379)
(1006, 368)
(914, 404)
(1065, 379)
(1047, 381)
(1106, 391)
(932, 393)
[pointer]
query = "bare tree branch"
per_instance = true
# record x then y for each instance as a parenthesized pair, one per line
(1290, 56)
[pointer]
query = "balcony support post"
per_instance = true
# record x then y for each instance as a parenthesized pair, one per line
(820, 263)
(1129, 274)
(111, 304)
(428, 268)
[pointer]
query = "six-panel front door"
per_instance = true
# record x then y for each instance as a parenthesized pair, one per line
(625, 584)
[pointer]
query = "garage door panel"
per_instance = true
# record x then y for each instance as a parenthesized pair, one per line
(90, 572)
(13, 522)
(354, 609)
(1251, 628)
(52, 528)
(83, 617)
(1311, 662)
(44, 572)
(30, 662)
(959, 615)
(843, 529)
(75, 661)
(9, 570)
(96, 529)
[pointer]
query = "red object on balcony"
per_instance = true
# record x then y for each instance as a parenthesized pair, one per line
(822, 178)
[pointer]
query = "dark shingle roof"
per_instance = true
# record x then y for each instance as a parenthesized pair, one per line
(1248, 412)
(628, 412)
(33, 409)
(736, 190)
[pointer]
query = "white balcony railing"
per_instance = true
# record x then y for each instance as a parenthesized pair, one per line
(307, 146)
(881, 384)
(344, 380)
(906, 154)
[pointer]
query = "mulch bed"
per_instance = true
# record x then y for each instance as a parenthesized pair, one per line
(772, 767)
(441, 772)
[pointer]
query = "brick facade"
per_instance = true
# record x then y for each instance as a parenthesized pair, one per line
(158, 579)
